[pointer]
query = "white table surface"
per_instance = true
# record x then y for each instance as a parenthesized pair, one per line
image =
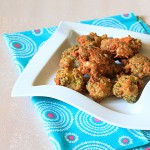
(20, 126)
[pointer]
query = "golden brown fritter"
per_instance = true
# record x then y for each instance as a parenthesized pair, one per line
(88, 67)
(70, 78)
(68, 60)
(82, 53)
(122, 47)
(138, 65)
(127, 87)
(117, 48)
(96, 62)
(70, 50)
(99, 88)
(133, 43)
(91, 40)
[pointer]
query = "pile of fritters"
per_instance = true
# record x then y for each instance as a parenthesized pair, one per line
(92, 65)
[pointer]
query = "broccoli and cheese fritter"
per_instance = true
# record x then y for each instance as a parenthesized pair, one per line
(127, 87)
(138, 65)
(70, 78)
(99, 88)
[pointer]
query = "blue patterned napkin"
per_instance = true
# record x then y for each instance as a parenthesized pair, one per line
(69, 128)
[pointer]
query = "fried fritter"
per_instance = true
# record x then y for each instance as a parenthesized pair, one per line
(127, 87)
(92, 39)
(94, 62)
(68, 60)
(70, 78)
(122, 47)
(138, 65)
(89, 66)
(133, 43)
(117, 48)
(82, 53)
(99, 88)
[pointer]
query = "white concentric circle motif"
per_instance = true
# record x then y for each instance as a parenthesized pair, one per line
(147, 134)
(109, 22)
(137, 133)
(93, 145)
(51, 30)
(139, 148)
(37, 32)
(56, 117)
(71, 137)
(93, 126)
(126, 16)
(19, 66)
(21, 46)
(137, 28)
(55, 143)
(125, 140)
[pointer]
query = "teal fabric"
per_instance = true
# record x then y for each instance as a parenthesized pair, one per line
(69, 128)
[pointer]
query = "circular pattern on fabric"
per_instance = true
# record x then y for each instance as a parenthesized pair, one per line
(37, 32)
(139, 148)
(109, 22)
(126, 16)
(51, 30)
(21, 46)
(71, 137)
(55, 143)
(19, 66)
(56, 117)
(125, 140)
(137, 133)
(136, 27)
(93, 145)
(147, 134)
(93, 126)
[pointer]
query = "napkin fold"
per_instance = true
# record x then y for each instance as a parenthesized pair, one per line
(69, 128)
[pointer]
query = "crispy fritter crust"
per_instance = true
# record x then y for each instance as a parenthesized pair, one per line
(138, 65)
(70, 78)
(93, 61)
(133, 43)
(122, 48)
(89, 66)
(117, 48)
(68, 60)
(91, 40)
(127, 87)
(99, 88)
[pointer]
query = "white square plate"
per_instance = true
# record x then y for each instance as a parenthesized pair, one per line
(37, 78)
